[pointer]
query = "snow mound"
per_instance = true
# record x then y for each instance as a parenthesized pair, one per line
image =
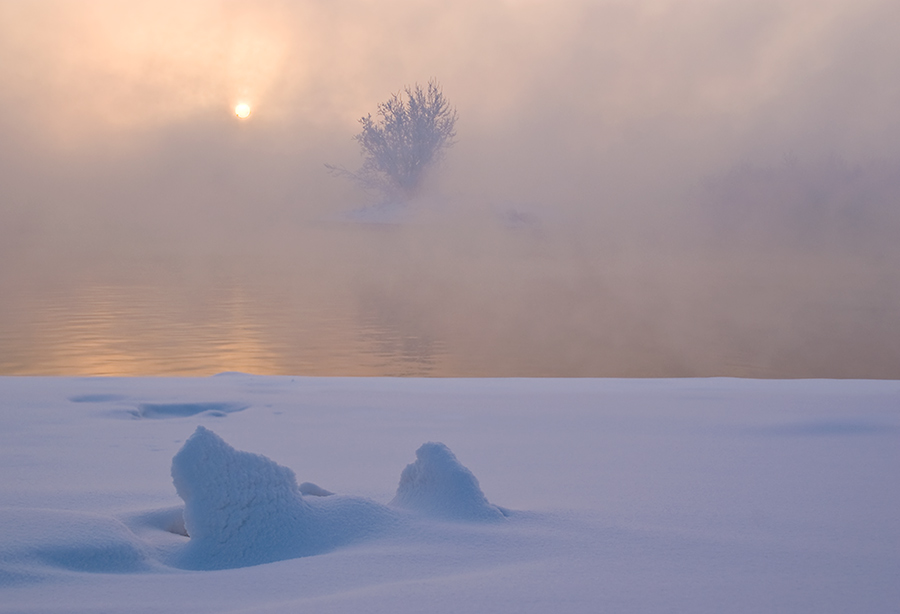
(73, 541)
(244, 509)
(438, 485)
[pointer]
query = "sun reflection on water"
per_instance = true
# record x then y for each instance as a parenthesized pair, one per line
(110, 330)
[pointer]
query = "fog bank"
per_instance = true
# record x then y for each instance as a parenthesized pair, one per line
(691, 187)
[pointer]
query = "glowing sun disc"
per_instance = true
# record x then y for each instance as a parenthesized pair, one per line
(242, 110)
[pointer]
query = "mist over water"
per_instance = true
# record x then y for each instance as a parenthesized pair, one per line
(642, 188)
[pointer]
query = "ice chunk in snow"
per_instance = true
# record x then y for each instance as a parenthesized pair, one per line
(244, 509)
(439, 485)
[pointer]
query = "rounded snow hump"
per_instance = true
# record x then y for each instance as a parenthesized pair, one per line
(244, 509)
(439, 485)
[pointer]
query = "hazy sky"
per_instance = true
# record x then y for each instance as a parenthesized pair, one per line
(626, 123)
(711, 80)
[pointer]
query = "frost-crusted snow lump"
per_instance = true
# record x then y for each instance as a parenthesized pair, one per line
(244, 509)
(439, 485)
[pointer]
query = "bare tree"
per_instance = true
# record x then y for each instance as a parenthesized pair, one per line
(409, 136)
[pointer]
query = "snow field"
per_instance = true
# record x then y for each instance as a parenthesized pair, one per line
(618, 495)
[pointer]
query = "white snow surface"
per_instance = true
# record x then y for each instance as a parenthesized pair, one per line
(692, 495)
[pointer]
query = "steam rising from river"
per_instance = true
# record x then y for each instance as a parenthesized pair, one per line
(639, 188)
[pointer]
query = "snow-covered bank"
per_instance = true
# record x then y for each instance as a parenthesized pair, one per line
(617, 495)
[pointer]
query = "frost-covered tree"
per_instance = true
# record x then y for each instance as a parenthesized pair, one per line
(409, 135)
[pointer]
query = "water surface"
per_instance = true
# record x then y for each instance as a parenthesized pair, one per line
(491, 298)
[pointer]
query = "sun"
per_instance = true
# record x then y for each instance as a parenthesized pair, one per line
(242, 110)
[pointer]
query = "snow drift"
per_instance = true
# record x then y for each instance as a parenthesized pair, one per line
(244, 509)
(62, 539)
(437, 484)
(691, 495)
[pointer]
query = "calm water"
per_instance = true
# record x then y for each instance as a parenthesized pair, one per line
(344, 299)
(167, 330)
(296, 311)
